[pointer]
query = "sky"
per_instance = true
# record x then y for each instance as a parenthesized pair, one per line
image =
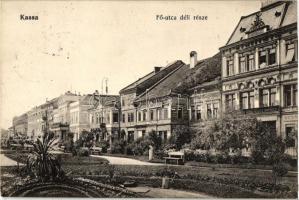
(75, 45)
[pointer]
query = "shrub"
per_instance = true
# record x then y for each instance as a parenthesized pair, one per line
(83, 151)
(279, 170)
(104, 145)
(118, 146)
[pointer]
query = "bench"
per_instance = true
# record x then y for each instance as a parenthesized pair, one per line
(176, 157)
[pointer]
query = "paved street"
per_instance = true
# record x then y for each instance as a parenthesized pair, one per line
(167, 193)
(124, 161)
(5, 161)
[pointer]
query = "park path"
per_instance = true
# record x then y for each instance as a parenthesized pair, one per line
(125, 161)
(5, 161)
(167, 193)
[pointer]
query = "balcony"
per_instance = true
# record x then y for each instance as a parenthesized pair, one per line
(261, 110)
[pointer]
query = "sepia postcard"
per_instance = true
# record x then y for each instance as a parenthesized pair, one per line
(149, 99)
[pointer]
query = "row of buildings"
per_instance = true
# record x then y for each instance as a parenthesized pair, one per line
(254, 72)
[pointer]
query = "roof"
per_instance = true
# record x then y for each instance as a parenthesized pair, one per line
(206, 70)
(150, 79)
(165, 86)
(278, 15)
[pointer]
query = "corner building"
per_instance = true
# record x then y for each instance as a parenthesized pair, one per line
(259, 68)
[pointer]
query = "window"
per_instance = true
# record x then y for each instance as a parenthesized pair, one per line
(290, 52)
(250, 62)
(198, 113)
(215, 110)
(290, 95)
(263, 58)
(272, 56)
(152, 114)
(209, 111)
(251, 100)
(265, 98)
(122, 102)
(230, 101)
(230, 66)
(244, 100)
(290, 133)
(144, 115)
(192, 113)
(124, 118)
(139, 116)
(115, 117)
(180, 113)
(165, 113)
(160, 113)
(242, 63)
(272, 96)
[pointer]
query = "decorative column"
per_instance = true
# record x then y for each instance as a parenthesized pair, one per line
(277, 96)
(278, 52)
(224, 67)
(236, 63)
(282, 52)
(256, 56)
(237, 107)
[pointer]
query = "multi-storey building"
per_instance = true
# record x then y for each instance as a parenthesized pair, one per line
(259, 67)
(205, 102)
(131, 92)
(20, 125)
(38, 116)
(104, 116)
(160, 109)
(61, 114)
(79, 117)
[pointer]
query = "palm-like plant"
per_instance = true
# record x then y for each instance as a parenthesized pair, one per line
(41, 163)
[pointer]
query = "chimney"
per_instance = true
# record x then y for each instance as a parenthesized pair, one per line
(157, 69)
(193, 59)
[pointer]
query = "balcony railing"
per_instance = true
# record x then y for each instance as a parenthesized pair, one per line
(261, 110)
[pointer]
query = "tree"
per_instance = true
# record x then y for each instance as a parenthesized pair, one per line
(181, 135)
(41, 163)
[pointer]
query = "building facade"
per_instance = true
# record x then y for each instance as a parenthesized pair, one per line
(205, 104)
(20, 125)
(259, 68)
(139, 114)
(79, 116)
(104, 116)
